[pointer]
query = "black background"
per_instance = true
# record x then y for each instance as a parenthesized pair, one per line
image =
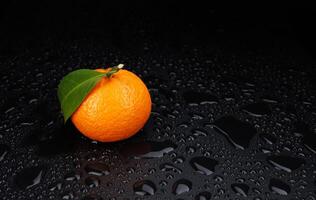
(269, 27)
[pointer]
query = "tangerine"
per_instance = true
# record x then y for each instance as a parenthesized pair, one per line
(116, 108)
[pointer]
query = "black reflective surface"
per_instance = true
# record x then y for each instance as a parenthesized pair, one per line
(231, 118)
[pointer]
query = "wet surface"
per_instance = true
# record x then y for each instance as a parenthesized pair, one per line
(226, 123)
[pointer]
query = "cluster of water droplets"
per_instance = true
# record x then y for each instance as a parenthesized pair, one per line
(216, 132)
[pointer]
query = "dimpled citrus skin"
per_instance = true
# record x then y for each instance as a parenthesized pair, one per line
(116, 109)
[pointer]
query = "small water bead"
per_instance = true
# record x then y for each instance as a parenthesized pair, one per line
(178, 160)
(207, 153)
(190, 150)
(92, 181)
(256, 190)
(97, 169)
(268, 138)
(169, 176)
(130, 170)
(218, 178)
(279, 187)
(237, 133)
(151, 170)
(163, 183)
(203, 196)
(144, 188)
(181, 186)
(265, 150)
(193, 98)
(56, 187)
(147, 150)
(68, 196)
(240, 189)
(169, 167)
(4, 149)
(257, 109)
(285, 163)
(203, 165)
(199, 132)
(72, 176)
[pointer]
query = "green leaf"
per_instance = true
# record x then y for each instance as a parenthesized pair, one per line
(74, 87)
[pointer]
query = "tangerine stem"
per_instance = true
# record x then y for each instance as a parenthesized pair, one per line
(114, 70)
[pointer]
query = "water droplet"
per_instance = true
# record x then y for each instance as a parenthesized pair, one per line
(199, 132)
(181, 186)
(163, 183)
(257, 109)
(195, 98)
(203, 165)
(56, 187)
(92, 181)
(97, 169)
(265, 150)
(4, 149)
(203, 196)
(238, 133)
(218, 178)
(72, 176)
(285, 163)
(309, 138)
(190, 150)
(240, 189)
(144, 187)
(147, 150)
(67, 196)
(178, 160)
(29, 177)
(169, 167)
(268, 138)
(279, 187)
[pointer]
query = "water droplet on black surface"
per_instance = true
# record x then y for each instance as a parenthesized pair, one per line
(190, 150)
(144, 188)
(67, 196)
(203, 165)
(286, 163)
(181, 186)
(169, 167)
(238, 133)
(257, 109)
(240, 189)
(147, 150)
(268, 138)
(178, 160)
(4, 149)
(92, 181)
(28, 177)
(97, 169)
(309, 138)
(57, 186)
(195, 98)
(279, 187)
(203, 196)
(199, 132)
(72, 176)
(188, 95)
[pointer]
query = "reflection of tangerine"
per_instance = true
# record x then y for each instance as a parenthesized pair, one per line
(116, 109)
